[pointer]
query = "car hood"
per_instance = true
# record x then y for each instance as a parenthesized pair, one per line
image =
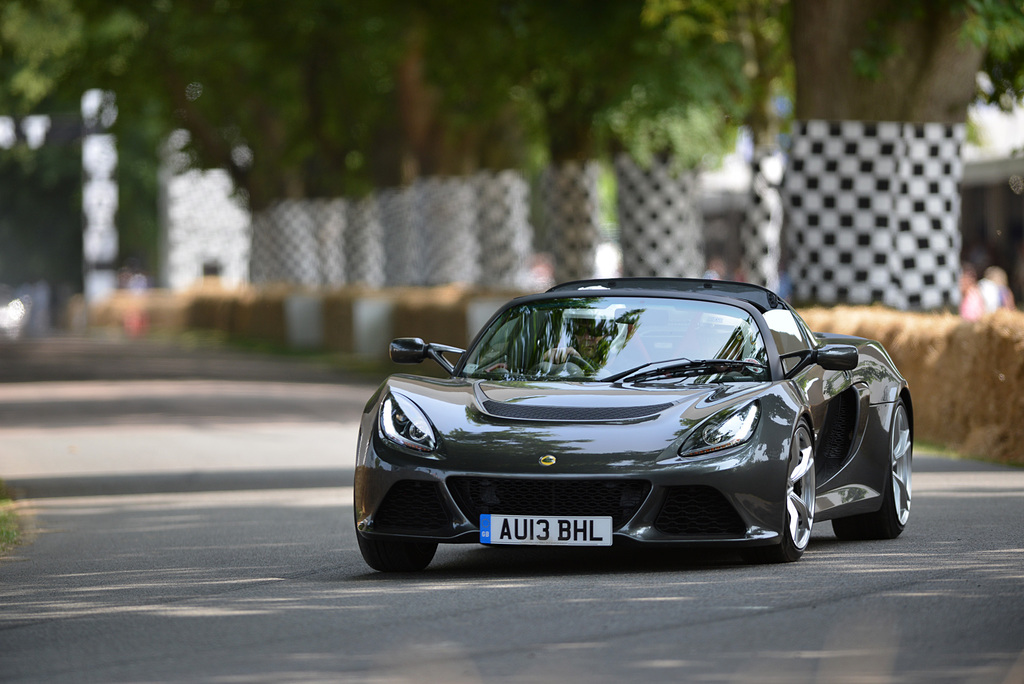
(509, 425)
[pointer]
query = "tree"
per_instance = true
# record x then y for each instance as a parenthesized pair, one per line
(878, 60)
(758, 31)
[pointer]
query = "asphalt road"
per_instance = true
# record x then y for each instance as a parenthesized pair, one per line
(189, 529)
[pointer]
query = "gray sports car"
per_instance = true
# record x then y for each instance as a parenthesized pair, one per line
(636, 410)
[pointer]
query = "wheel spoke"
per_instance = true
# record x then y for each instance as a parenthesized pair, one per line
(799, 520)
(800, 490)
(804, 464)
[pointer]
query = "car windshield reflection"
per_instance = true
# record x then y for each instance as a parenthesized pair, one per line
(612, 339)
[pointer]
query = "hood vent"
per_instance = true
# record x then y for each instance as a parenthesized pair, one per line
(571, 413)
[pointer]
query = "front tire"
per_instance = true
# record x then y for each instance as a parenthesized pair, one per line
(799, 504)
(888, 521)
(390, 555)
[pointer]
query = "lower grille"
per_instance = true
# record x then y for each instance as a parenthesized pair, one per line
(619, 499)
(697, 511)
(412, 505)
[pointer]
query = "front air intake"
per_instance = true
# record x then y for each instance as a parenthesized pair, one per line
(412, 505)
(698, 511)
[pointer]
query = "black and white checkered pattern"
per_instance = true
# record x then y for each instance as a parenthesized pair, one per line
(761, 231)
(332, 217)
(872, 211)
(569, 203)
(364, 248)
(205, 224)
(285, 248)
(660, 225)
(451, 248)
(503, 227)
(436, 231)
(403, 240)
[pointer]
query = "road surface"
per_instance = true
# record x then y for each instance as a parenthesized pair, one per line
(199, 530)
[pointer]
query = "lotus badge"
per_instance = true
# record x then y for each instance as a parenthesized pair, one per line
(547, 460)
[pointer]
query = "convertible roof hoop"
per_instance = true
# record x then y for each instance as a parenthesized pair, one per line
(761, 297)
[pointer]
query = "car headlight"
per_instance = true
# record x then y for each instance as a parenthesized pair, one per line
(722, 431)
(402, 422)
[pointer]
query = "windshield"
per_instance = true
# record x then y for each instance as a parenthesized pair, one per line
(605, 339)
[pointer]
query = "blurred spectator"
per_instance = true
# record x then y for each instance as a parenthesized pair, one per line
(972, 304)
(785, 283)
(36, 297)
(715, 270)
(1019, 271)
(995, 290)
(542, 272)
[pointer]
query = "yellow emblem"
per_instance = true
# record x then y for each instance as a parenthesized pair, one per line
(547, 460)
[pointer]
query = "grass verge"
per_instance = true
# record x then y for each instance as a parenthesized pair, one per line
(10, 530)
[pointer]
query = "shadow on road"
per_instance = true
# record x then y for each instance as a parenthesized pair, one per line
(76, 358)
(175, 483)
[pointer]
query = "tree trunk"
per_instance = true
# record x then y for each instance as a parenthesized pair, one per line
(871, 189)
(875, 60)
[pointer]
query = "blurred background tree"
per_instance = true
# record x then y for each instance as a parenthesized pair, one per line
(317, 98)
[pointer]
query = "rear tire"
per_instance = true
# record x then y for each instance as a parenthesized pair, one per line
(799, 505)
(888, 521)
(390, 555)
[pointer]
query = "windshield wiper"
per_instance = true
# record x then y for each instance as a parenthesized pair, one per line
(680, 367)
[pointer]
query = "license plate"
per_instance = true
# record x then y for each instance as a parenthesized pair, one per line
(546, 530)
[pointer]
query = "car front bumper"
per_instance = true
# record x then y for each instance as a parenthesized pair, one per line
(733, 497)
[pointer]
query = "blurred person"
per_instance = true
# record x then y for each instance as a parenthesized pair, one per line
(588, 345)
(995, 290)
(785, 283)
(1018, 278)
(972, 304)
(715, 270)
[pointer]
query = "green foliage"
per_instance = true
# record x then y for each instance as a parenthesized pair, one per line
(38, 41)
(10, 531)
(691, 135)
(1000, 27)
(312, 98)
(995, 25)
(750, 40)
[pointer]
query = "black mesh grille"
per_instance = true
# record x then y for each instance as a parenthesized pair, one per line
(412, 505)
(698, 511)
(577, 413)
(618, 498)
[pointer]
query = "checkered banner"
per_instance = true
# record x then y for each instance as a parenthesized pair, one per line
(761, 230)
(569, 201)
(660, 223)
(438, 230)
(873, 212)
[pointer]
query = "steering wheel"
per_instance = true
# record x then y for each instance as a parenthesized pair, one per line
(574, 361)
(581, 362)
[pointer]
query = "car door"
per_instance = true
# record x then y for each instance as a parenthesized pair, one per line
(817, 385)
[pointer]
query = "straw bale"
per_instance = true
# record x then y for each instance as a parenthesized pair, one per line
(436, 314)
(140, 311)
(966, 379)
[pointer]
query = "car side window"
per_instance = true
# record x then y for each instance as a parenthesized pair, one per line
(787, 333)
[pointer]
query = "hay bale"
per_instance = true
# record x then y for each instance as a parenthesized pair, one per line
(436, 314)
(966, 379)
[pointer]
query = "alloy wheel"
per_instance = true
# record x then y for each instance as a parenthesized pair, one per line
(800, 489)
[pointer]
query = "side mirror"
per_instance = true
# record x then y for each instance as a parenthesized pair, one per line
(837, 357)
(414, 350)
(833, 357)
(407, 350)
